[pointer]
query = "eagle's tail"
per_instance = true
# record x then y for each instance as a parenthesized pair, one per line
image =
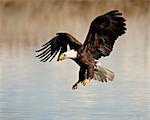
(103, 74)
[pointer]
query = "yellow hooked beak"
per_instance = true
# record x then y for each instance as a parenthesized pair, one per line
(61, 57)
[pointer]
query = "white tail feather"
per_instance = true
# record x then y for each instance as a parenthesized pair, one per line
(103, 74)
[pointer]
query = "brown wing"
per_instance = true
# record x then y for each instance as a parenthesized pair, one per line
(103, 32)
(59, 43)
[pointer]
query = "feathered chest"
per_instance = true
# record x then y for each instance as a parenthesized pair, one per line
(84, 55)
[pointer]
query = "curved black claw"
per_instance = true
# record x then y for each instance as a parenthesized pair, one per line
(75, 86)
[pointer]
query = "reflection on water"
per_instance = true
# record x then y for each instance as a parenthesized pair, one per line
(30, 90)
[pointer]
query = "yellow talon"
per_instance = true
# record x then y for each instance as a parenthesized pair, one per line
(85, 82)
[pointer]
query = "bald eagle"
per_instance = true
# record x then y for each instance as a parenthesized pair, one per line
(103, 32)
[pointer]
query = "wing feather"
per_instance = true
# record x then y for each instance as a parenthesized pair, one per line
(103, 32)
(57, 44)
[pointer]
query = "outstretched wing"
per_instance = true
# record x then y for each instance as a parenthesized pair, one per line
(57, 44)
(103, 32)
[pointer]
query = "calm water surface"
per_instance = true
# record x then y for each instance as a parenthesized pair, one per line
(30, 90)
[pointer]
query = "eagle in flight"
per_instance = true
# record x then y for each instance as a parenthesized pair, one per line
(103, 32)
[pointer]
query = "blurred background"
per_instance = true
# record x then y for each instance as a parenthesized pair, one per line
(30, 90)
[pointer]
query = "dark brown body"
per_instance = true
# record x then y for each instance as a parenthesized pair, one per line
(86, 64)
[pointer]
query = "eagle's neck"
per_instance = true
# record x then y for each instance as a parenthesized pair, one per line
(71, 54)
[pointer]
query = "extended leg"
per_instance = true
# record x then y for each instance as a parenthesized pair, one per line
(81, 77)
(90, 72)
(90, 75)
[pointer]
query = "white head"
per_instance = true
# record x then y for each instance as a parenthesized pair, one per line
(68, 55)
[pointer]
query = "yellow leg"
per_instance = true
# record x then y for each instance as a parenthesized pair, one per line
(85, 82)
